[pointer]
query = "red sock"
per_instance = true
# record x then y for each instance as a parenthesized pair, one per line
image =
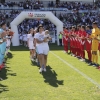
(76, 51)
(83, 54)
(79, 52)
(70, 49)
(89, 55)
(66, 48)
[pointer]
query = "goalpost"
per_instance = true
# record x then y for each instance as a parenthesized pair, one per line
(31, 15)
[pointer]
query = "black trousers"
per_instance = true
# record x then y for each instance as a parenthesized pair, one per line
(60, 42)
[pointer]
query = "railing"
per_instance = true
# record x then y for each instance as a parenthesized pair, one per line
(46, 9)
(11, 8)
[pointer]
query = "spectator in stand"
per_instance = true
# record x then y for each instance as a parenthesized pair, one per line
(73, 5)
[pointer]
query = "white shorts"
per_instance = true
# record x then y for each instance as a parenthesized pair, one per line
(31, 46)
(8, 42)
(42, 50)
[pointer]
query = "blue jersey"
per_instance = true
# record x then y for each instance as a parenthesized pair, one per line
(1, 30)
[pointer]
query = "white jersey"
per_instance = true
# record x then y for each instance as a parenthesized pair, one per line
(40, 37)
(41, 48)
(8, 41)
(20, 36)
(30, 41)
(25, 37)
(30, 37)
(46, 46)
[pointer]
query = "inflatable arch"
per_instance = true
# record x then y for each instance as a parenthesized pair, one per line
(31, 15)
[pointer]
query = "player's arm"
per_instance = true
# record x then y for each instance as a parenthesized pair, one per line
(3, 35)
(34, 42)
(28, 42)
(49, 38)
(40, 41)
(98, 35)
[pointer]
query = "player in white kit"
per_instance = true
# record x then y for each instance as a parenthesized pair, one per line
(30, 43)
(8, 43)
(41, 48)
(39, 39)
(25, 39)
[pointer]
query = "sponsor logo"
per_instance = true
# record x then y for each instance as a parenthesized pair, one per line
(30, 14)
(39, 15)
(36, 15)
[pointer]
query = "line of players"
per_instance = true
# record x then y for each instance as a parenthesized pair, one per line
(5, 41)
(81, 38)
(37, 42)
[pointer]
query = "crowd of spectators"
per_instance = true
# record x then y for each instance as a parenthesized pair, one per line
(33, 23)
(37, 4)
(67, 18)
(73, 5)
(97, 3)
(79, 18)
(28, 4)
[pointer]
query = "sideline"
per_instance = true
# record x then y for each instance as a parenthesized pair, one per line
(78, 71)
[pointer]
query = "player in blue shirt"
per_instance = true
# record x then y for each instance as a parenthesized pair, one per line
(2, 43)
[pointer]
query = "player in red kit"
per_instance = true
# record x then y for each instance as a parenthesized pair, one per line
(79, 41)
(83, 36)
(74, 41)
(65, 39)
(71, 40)
(88, 43)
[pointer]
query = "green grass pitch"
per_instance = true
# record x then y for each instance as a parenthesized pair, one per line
(22, 80)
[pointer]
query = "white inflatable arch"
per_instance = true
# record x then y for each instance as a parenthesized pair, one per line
(31, 15)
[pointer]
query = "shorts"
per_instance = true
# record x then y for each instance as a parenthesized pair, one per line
(42, 50)
(31, 47)
(8, 42)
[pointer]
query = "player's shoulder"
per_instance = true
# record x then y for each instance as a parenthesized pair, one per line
(1, 30)
(28, 34)
(37, 34)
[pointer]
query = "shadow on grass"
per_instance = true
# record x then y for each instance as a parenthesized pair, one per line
(34, 63)
(51, 77)
(5, 72)
(3, 88)
(9, 55)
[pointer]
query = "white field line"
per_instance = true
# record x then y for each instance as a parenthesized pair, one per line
(78, 71)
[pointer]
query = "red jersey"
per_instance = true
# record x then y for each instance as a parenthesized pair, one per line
(79, 40)
(88, 43)
(83, 35)
(65, 37)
